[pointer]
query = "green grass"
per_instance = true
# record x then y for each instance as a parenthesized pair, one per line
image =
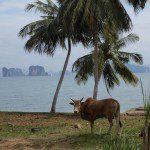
(58, 132)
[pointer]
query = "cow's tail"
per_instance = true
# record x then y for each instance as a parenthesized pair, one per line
(118, 116)
(120, 124)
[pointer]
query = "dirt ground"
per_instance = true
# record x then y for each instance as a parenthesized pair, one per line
(30, 120)
(58, 132)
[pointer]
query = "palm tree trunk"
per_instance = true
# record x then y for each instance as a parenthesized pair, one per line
(95, 58)
(53, 107)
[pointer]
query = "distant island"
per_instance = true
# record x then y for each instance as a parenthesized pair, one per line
(33, 71)
(11, 72)
(40, 71)
(138, 69)
(37, 71)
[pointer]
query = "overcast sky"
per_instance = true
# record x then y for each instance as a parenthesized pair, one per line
(12, 54)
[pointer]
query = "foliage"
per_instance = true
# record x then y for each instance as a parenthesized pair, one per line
(138, 4)
(45, 34)
(112, 62)
(48, 32)
(146, 101)
(88, 17)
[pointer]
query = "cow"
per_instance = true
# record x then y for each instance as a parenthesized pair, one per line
(92, 109)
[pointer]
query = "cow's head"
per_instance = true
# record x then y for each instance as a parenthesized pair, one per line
(77, 105)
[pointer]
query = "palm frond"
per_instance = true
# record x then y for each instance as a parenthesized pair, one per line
(29, 28)
(60, 2)
(123, 71)
(86, 13)
(124, 60)
(40, 42)
(137, 58)
(137, 4)
(48, 8)
(110, 77)
(129, 39)
(118, 13)
(45, 34)
(83, 67)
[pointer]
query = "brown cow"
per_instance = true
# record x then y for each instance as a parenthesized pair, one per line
(92, 109)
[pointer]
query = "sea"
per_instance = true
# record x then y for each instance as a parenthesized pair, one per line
(35, 94)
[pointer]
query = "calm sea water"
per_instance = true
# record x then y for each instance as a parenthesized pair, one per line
(35, 94)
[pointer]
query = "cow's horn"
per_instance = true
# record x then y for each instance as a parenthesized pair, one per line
(72, 99)
(81, 99)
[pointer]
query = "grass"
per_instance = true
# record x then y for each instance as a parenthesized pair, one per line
(58, 131)
(146, 129)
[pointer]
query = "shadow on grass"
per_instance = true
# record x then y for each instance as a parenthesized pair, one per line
(103, 140)
(82, 141)
(88, 141)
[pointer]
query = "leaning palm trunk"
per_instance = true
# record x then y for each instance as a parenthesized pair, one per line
(53, 108)
(95, 59)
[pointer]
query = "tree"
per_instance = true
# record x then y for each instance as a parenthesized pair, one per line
(46, 34)
(112, 62)
(90, 15)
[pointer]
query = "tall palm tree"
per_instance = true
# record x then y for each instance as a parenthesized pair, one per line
(91, 14)
(46, 34)
(112, 62)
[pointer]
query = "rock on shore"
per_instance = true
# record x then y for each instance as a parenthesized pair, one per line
(135, 112)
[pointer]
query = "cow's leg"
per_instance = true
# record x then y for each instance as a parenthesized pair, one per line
(91, 124)
(110, 119)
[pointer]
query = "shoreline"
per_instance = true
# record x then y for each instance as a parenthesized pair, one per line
(139, 111)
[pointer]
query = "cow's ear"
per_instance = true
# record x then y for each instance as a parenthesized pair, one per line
(71, 103)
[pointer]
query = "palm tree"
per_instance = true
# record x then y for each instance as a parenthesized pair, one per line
(46, 34)
(89, 15)
(112, 62)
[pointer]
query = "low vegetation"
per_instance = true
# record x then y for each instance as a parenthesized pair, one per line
(61, 131)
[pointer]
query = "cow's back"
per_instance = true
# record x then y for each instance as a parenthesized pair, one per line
(101, 108)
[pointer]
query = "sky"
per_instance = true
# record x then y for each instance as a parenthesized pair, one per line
(12, 54)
